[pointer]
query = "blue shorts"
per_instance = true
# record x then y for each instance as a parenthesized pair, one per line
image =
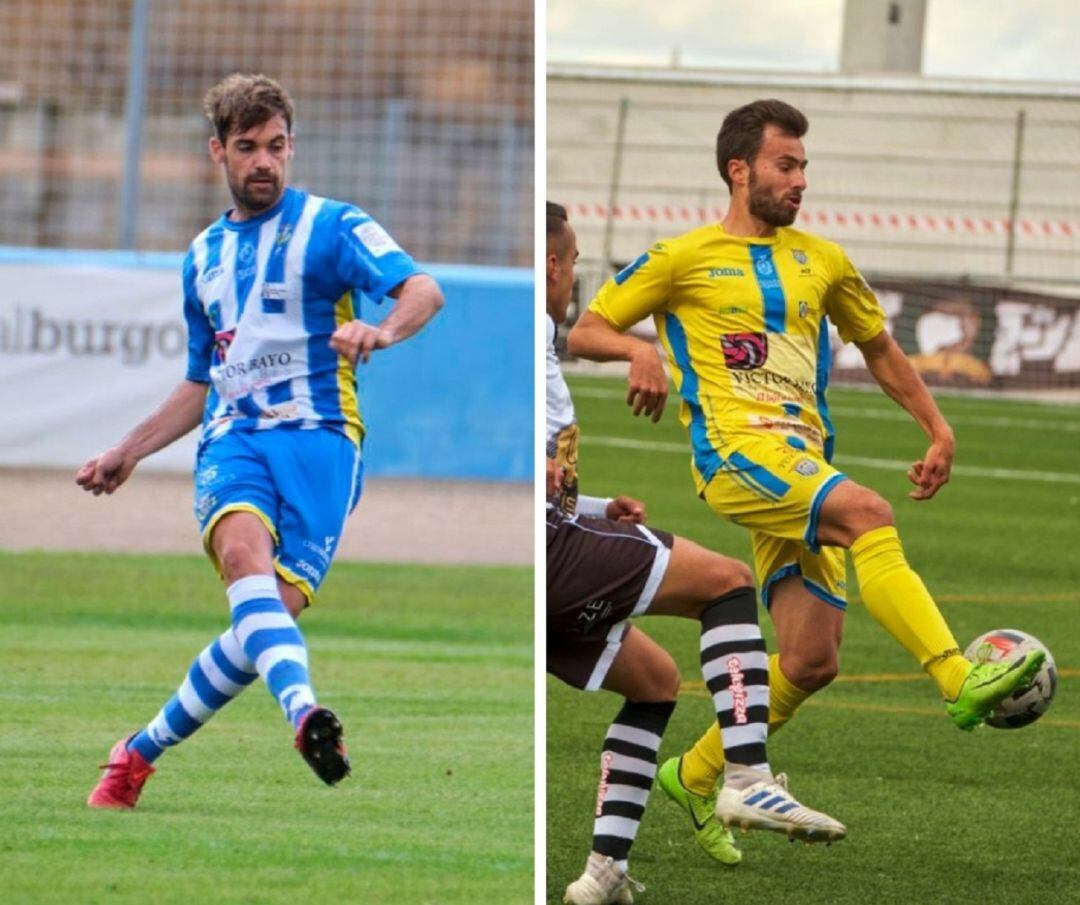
(302, 484)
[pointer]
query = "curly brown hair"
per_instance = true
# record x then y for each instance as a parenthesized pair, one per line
(239, 101)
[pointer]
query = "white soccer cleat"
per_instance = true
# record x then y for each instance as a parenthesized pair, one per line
(602, 883)
(767, 805)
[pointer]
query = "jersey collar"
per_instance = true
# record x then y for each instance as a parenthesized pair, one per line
(268, 214)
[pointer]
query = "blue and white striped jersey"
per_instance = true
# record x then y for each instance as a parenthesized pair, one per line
(262, 298)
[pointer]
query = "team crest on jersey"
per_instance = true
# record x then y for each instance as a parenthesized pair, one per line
(799, 255)
(283, 236)
(222, 340)
(744, 351)
(806, 467)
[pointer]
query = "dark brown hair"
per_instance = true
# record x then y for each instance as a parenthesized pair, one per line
(239, 102)
(557, 221)
(742, 130)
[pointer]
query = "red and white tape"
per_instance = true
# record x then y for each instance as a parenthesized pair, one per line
(848, 220)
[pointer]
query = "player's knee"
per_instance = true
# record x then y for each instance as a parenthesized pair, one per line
(663, 681)
(239, 559)
(811, 671)
(877, 511)
(867, 512)
(723, 575)
(667, 683)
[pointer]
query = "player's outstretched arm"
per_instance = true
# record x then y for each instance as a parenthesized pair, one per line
(180, 412)
(418, 300)
(895, 374)
(595, 339)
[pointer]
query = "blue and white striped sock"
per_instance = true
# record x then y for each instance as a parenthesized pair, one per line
(272, 641)
(217, 676)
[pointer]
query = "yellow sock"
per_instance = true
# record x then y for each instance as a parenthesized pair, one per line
(784, 697)
(899, 601)
(702, 765)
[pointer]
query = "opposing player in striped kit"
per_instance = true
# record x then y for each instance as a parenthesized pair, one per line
(741, 308)
(604, 566)
(270, 298)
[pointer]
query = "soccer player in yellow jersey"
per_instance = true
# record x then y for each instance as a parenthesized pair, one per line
(740, 307)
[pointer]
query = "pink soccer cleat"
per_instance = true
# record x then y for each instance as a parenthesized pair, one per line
(125, 774)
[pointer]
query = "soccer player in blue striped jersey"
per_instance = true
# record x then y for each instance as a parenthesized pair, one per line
(271, 294)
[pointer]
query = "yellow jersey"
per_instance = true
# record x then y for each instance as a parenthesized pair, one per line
(743, 322)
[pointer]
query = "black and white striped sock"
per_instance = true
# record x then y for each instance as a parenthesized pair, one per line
(627, 769)
(736, 670)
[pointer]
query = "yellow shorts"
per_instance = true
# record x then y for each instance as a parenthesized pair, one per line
(776, 490)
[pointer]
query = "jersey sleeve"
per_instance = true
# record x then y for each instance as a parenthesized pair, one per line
(368, 259)
(851, 303)
(638, 290)
(200, 331)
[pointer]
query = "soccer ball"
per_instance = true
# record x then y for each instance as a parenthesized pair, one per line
(1026, 704)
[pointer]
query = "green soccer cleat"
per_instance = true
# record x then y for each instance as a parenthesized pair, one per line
(710, 834)
(990, 683)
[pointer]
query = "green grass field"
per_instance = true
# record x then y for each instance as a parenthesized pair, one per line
(933, 814)
(430, 669)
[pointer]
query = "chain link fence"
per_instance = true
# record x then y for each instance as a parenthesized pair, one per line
(420, 112)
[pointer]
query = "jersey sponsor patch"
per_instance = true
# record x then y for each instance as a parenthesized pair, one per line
(222, 340)
(375, 239)
(273, 298)
(274, 291)
(745, 351)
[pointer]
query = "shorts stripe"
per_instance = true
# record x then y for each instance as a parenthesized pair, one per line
(603, 664)
(810, 537)
(819, 592)
(779, 575)
(743, 478)
(656, 572)
(759, 474)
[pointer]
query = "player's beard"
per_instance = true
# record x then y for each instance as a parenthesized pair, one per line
(769, 210)
(255, 199)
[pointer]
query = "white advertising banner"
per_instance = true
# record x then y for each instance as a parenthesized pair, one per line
(85, 353)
